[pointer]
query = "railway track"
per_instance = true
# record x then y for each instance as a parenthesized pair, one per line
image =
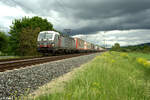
(18, 63)
(13, 59)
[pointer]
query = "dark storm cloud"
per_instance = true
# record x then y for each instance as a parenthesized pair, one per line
(109, 8)
(92, 15)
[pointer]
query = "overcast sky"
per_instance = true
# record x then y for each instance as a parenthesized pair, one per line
(123, 21)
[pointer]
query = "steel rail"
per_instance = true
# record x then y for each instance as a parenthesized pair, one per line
(10, 65)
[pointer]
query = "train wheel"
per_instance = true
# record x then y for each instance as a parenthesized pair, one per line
(53, 53)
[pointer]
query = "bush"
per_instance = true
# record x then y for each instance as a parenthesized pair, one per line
(3, 42)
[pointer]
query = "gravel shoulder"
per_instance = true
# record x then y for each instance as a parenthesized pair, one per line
(26, 80)
(55, 85)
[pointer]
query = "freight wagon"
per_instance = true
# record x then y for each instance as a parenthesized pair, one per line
(79, 44)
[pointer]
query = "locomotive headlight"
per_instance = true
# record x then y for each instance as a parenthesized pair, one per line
(53, 44)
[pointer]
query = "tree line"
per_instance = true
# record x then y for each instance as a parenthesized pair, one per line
(145, 48)
(22, 37)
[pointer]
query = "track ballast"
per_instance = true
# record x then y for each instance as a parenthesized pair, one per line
(18, 63)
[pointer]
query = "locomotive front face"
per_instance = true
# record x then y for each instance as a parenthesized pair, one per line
(45, 40)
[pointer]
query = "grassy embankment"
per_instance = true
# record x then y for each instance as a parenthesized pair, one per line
(110, 76)
(8, 57)
(16, 57)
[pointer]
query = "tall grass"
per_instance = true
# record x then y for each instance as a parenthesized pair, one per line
(142, 55)
(110, 76)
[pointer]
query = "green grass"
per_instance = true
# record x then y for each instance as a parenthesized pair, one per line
(8, 57)
(16, 57)
(110, 76)
(143, 55)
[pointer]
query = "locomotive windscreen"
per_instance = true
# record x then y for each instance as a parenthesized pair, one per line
(48, 36)
(45, 36)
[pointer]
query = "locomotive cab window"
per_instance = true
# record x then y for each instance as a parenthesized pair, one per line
(49, 36)
(41, 36)
(45, 36)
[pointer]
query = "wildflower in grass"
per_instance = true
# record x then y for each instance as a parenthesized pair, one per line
(112, 61)
(96, 85)
(146, 64)
(141, 60)
(124, 55)
(113, 52)
(106, 54)
(95, 91)
(95, 88)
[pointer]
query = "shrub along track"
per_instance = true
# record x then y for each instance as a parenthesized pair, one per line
(17, 63)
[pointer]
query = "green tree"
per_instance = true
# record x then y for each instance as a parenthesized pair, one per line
(3, 42)
(18, 28)
(146, 48)
(116, 47)
(28, 42)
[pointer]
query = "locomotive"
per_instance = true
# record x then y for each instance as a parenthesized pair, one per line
(54, 42)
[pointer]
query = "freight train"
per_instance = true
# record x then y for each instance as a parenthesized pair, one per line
(54, 42)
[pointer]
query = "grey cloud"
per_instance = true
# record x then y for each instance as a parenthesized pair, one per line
(130, 37)
(124, 38)
(97, 15)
